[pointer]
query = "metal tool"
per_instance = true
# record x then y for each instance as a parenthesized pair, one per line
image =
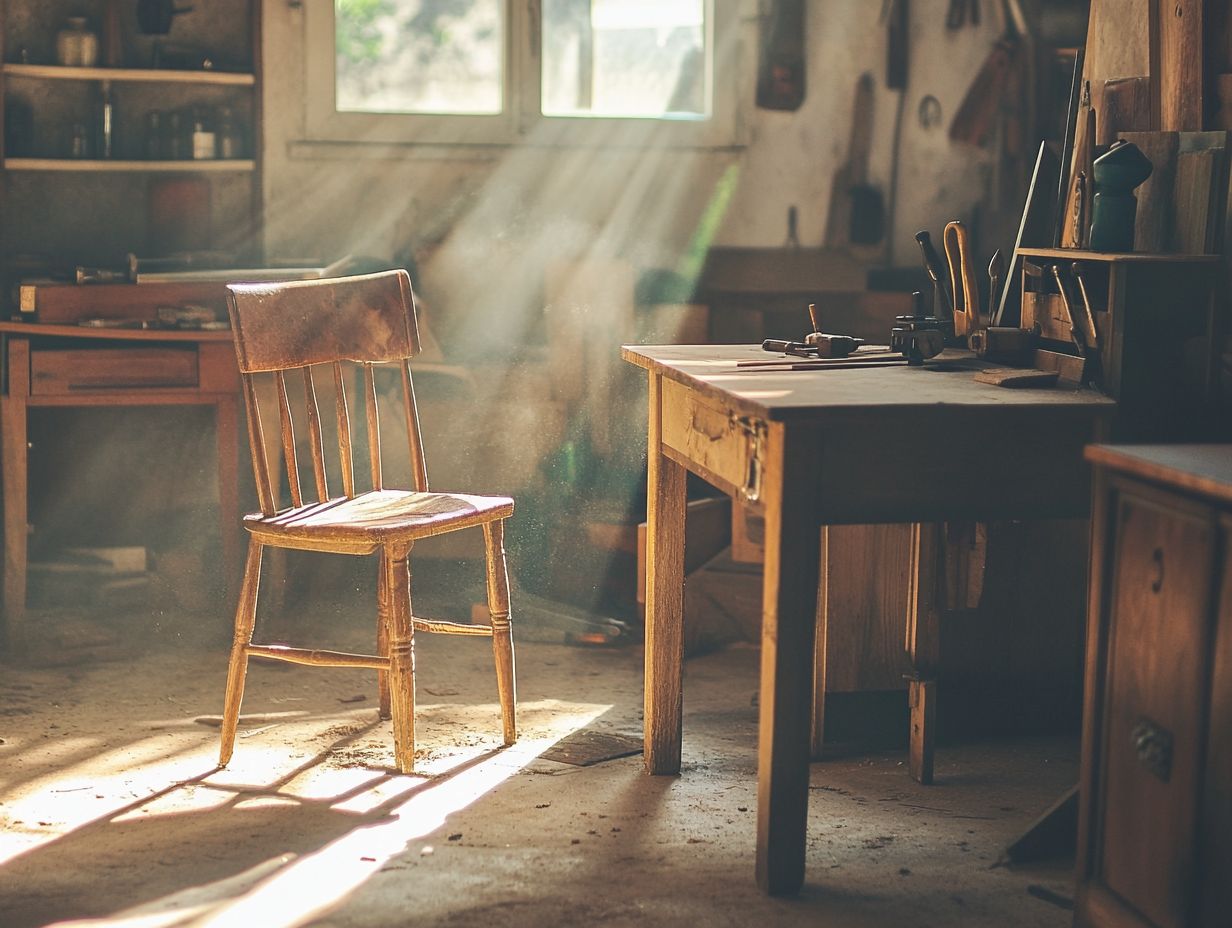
(942, 304)
(816, 344)
(962, 272)
(1075, 330)
(996, 274)
(918, 336)
(1080, 278)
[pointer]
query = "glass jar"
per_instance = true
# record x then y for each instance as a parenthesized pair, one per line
(76, 45)
(204, 140)
(230, 139)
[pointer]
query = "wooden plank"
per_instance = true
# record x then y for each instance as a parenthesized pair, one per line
(1180, 65)
(1117, 43)
(1156, 197)
(923, 645)
(866, 591)
(665, 514)
(1126, 108)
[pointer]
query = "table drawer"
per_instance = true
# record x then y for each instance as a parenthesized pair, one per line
(724, 449)
(110, 369)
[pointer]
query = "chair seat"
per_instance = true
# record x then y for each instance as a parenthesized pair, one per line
(373, 518)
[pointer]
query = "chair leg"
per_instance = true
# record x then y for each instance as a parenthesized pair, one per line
(245, 619)
(382, 642)
(397, 606)
(502, 631)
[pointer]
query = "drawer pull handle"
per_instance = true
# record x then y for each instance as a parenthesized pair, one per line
(1158, 559)
(1153, 745)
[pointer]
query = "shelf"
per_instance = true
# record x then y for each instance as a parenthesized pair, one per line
(1139, 257)
(115, 166)
(148, 75)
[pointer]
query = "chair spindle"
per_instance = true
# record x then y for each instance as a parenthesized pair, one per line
(344, 433)
(288, 439)
(315, 438)
(419, 467)
(256, 442)
(374, 427)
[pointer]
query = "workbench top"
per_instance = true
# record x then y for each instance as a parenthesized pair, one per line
(947, 381)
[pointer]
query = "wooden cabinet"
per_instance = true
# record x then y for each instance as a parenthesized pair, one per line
(1155, 829)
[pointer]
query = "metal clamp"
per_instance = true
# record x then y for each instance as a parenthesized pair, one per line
(755, 431)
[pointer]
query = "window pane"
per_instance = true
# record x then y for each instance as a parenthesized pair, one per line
(625, 58)
(419, 56)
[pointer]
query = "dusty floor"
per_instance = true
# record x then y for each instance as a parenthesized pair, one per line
(111, 809)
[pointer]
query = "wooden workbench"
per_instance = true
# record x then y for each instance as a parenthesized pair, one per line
(812, 448)
(71, 366)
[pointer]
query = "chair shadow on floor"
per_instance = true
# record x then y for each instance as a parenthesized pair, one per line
(129, 859)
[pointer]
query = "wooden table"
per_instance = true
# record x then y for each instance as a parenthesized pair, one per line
(72, 366)
(809, 448)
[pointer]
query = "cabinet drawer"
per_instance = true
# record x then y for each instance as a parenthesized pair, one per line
(83, 370)
(1158, 644)
(721, 448)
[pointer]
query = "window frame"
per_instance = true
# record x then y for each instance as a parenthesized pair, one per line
(521, 120)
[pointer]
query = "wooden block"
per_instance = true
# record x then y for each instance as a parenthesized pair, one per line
(1017, 377)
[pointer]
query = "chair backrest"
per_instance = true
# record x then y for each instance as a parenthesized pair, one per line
(340, 322)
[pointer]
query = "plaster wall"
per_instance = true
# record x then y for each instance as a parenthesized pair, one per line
(506, 213)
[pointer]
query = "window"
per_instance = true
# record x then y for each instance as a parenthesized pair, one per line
(499, 71)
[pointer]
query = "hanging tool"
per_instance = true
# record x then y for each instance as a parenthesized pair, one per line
(962, 12)
(962, 272)
(793, 228)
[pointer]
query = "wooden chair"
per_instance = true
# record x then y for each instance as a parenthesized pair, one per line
(333, 323)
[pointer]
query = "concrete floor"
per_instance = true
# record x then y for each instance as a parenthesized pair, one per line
(111, 809)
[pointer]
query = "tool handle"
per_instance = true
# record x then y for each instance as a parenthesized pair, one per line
(783, 345)
(958, 254)
(1075, 330)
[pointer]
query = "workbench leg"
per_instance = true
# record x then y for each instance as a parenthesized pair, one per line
(819, 653)
(227, 425)
(665, 514)
(789, 606)
(923, 646)
(13, 448)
